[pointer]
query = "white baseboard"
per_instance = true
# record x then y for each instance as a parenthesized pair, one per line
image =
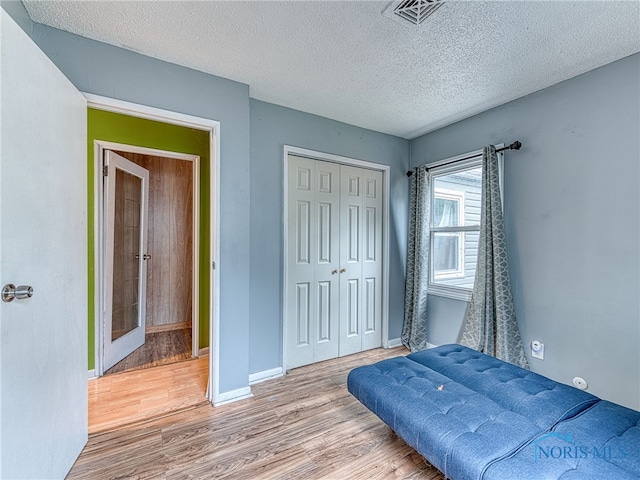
(233, 396)
(203, 352)
(91, 374)
(394, 342)
(265, 375)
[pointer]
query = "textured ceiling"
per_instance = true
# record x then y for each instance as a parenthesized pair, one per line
(350, 62)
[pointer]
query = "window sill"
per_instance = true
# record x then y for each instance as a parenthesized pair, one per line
(450, 292)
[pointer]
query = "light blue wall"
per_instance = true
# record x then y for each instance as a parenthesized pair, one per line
(101, 69)
(16, 10)
(572, 224)
(272, 127)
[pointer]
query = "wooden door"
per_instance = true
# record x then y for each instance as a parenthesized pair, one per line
(43, 244)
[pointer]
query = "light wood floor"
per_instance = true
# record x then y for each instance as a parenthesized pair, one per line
(304, 425)
(161, 348)
(122, 399)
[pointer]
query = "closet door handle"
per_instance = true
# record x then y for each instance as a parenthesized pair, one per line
(333, 272)
(343, 270)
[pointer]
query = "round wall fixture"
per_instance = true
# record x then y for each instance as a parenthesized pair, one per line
(580, 383)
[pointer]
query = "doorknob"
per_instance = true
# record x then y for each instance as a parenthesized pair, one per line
(342, 270)
(11, 292)
(333, 272)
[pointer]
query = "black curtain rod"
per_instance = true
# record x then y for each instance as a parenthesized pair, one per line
(514, 146)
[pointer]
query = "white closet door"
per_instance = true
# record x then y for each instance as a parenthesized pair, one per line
(313, 276)
(334, 260)
(371, 259)
(360, 260)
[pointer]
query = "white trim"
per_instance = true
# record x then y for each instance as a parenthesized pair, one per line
(457, 158)
(397, 342)
(233, 396)
(150, 113)
(148, 151)
(199, 123)
(453, 196)
(203, 352)
(91, 374)
(393, 343)
(329, 157)
(265, 375)
(214, 233)
(449, 291)
(386, 178)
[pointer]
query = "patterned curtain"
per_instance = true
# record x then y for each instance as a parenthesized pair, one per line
(414, 328)
(490, 325)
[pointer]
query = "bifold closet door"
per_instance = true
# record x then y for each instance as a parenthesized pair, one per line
(360, 260)
(313, 277)
(334, 258)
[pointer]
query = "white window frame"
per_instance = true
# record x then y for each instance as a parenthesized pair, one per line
(443, 167)
(456, 196)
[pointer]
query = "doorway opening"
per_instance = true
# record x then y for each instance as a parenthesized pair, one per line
(151, 258)
(122, 123)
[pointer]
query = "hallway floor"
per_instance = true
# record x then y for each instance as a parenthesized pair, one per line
(132, 397)
(159, 348)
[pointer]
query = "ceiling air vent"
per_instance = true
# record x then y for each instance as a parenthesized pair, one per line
(414, 11)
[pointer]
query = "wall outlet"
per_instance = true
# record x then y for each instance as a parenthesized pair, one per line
(537, 349)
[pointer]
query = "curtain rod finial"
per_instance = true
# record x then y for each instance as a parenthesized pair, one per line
(515, 145)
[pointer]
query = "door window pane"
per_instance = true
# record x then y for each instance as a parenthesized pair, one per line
(126, 267)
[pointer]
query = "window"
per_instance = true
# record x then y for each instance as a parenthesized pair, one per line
(456, 198)
(447, 208)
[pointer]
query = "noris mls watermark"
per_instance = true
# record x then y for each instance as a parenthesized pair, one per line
(554, 446)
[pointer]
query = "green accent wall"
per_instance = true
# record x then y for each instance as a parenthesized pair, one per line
(114, 127)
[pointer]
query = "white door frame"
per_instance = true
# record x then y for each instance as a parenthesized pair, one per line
(100, 147)
(213, 127)
(328, 157)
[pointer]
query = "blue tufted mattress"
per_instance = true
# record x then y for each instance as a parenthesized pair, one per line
(475, 417)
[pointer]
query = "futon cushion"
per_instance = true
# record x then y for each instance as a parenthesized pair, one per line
(557, 457)
(609, 431)
(455, 428)
(538, 398)
(601, 443)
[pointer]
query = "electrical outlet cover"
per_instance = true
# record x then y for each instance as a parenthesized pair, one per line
(537, 350)
(580, 383)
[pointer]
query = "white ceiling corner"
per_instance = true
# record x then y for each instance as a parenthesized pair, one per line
(348, 61)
